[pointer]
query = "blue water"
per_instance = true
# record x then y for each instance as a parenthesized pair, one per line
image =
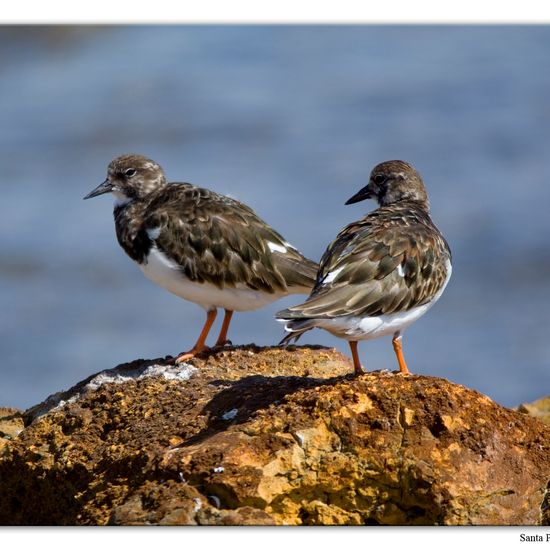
(290, 120)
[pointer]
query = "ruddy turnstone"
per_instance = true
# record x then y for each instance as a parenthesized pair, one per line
(207, 248)
(382, 272)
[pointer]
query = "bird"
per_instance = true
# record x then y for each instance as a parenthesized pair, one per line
(202, 246)
(382, 272)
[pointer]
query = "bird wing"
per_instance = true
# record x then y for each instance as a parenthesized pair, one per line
(222, 241)
(387, 262)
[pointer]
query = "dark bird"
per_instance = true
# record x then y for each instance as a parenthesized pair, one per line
(201, 246)
(381, 273)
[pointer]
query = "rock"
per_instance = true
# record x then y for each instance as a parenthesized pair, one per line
(11, 424)
(261, 436)
(539, 409)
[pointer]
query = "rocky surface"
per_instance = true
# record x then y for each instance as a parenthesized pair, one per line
(11, 424)
(267, 436)
(539, 409)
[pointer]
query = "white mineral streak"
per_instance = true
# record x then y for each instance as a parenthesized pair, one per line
(180, 372)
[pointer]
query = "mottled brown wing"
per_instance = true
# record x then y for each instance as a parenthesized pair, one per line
(389, 261)
(222, 241)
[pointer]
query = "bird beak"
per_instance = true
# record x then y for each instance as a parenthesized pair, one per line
(105, 187)
(365, 193)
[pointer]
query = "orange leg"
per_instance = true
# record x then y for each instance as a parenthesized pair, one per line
(199, 346)
(398, 348)
(356, 362)
(222, 338)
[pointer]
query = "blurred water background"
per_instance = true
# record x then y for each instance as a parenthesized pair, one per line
(290, 120)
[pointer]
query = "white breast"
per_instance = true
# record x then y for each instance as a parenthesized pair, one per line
(166, 273)
(368, 328)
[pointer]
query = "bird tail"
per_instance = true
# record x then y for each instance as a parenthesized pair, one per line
(298, 271)
(294, 327)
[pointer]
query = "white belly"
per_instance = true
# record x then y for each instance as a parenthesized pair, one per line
(368, 328)
(165, 273)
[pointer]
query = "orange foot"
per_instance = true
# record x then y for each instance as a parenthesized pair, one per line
(190, 354)
(398, 348)
(199, 346)
(357, 368)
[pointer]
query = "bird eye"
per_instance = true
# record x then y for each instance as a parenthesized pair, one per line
(379, 178)
(130, 172)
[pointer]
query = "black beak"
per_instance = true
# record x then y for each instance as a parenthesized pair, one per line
(105, 187)
(361, 195)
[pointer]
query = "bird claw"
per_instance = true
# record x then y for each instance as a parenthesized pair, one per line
(183, 357)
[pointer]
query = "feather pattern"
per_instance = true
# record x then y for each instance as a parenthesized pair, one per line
(392, 261)
(201, 246)
(212, 238)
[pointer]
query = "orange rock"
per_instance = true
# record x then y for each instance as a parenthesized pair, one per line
(259, 436)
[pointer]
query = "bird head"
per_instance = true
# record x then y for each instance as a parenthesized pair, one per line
(130, 177)
(391, 182)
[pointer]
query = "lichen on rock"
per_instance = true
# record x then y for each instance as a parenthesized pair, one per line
(268, 436)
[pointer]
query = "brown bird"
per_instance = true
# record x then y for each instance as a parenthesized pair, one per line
(204, 247)
(382, 272)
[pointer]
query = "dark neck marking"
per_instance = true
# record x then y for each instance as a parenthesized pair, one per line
(130, 233)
